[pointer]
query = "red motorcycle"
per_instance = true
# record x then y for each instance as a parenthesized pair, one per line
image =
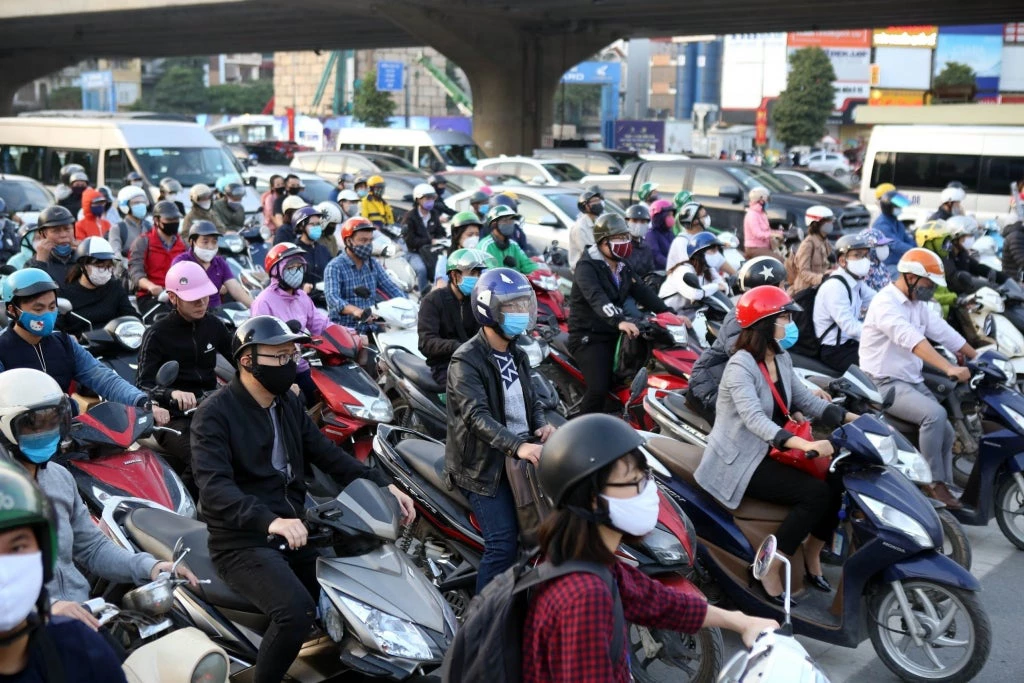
(551, 308)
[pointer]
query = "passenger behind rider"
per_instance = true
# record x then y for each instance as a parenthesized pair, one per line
(91, 289)
(251, 442)
(936, 237)
(509, 199)
(736, 463)
(421, 229)
(331, 218)
(879, 275)
(374, 207)
(356, 269)
(202, 249)
(93, 222)
(648, 194)
(55, 244)
(691, 219)
(446, 319)
(641, 259)
(888, 223)
(839, 306)
(814, 258)
(894, 345)
(950, 202)
(286, 231)
(493, 413)
(78, 181)
(661, 235)
(308, 225)
(581, 232)
(705, 258)
(962, 232)
(229, 207)
(292, 188)
(465, 227)
(501, 225)
(193, 337)
(202, 209)
(133, 205)
(37, 646)
(153, 252)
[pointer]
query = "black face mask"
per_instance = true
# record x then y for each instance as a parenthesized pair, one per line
(169, 228)
(277, 379)
(279, 191)
(294, 190)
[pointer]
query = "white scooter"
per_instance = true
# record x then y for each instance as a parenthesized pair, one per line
(390, 250)
(399, 317)
(986, 308)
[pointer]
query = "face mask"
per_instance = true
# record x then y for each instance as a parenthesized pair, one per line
(77, 190)
(294, 190)
(792, 334)
(39, 448)
(826, 228)
(967, 243)
(361, 193)
(362, 251)
(293, 277)
(670, 220)
(515, 324)
(470, 242)
(428, 205)
(896, 211)
(481, 211)
(63, 250)
(706, 221)
(882, 252)
(205, 205)
(925, 293)
(97, 210)
(620, 250)
(597, 208)
(715, 260)
(169, 228)
(139, 210)
(277, 379)
(858, 268)
(314, 232)
(279, 191)
(638, 229)
(636, 516)
(507, 229)
(39, 325)
(204, 255)
(98, 276)
(467, 283)
(21, 580)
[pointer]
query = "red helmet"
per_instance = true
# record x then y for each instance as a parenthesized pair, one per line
(280, 253)
(763, 302)
(353, 225)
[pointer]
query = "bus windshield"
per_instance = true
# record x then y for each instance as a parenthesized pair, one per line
(188, 165)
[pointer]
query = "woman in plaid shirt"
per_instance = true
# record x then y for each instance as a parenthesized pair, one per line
(593, 471)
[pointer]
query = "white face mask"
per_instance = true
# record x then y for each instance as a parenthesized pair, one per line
(205, 206)
(968, 242)
(706, 221)
(204, 255)
(470, 242)
(859, 267)
(98, 276)
(714, 260)
(882, 252)
(21, 580)
(636, 516)
(637, 229)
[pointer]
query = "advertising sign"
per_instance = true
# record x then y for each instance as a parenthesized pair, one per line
(857, 38)
(906, 36)
(896, 98)
(979, 47)
(640, 136)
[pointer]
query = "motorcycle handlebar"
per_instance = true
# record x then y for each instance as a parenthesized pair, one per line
(158, 428)
(811, 455)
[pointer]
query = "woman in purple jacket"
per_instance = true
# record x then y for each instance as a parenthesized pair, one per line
(659, 237)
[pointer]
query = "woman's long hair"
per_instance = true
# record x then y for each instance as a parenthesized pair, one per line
(758, 338)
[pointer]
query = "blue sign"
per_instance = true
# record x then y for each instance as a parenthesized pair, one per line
(594, 72)
(390, 76)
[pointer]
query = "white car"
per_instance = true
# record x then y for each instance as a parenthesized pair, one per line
(832, 163)
(551, 172)
(25, 196)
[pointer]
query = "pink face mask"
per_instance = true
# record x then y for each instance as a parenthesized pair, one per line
(670, 220)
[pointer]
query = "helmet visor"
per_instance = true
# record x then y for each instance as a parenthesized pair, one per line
(900, 200)
(45, 420)
(520, 303)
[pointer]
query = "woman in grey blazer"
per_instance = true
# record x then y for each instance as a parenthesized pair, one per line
(735, 462)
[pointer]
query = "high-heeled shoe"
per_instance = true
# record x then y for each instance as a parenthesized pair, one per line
(818, 582)
(774, 599)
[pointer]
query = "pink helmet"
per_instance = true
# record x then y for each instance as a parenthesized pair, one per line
(189, 281)
(659, 206)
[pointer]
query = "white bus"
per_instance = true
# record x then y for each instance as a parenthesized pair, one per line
(428, 150)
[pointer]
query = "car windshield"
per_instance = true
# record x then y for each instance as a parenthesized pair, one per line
(188, 165)
(460, 155)
(390, 164)
(23, 195)
(751, 177)
(567, 203)
(827, 182)
(623, 158)
(564, 173)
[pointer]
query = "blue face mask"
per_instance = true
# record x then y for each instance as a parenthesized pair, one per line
(139, 211)
(97, 209)
(39, 448)
(314, 232)
(39, 325)
(361, 193)
(63, 250)
(792, 334)
(515, 324)
(466, 285)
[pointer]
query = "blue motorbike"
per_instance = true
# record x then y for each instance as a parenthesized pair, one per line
(919, 608)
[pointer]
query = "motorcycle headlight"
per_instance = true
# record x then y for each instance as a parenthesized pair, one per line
(664, 546)
(1008, 343)
(130, 333)
(888, 516)
(212, 667)
(678, 333)
(913, 466)
(1007, 367)
(378, 411)
(392, 635)
(885, 445)
(1017, 418)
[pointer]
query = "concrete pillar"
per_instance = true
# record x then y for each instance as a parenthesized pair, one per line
(23, 67)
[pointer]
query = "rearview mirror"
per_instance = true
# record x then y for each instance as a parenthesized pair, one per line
(63, 306)
(549, 220)
(538, 180)
(690, 279)
(731, 192)
(638, 385)
(765, 555)
(889, 398)
(167, 374)
(407, 198)
(295, 326)
(614, 170)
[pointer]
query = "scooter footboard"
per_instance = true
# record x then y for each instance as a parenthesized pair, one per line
(932, 566)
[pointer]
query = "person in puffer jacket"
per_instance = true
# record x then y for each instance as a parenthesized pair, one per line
(1013, 248)
(659, 237)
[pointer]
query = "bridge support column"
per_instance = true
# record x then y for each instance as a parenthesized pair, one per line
(21, 68)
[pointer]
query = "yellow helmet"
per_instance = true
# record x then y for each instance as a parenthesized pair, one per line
(375, 180)
(932, 230)
(883, 188)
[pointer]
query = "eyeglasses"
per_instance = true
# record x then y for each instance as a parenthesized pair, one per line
(639, 484)
(282, 358)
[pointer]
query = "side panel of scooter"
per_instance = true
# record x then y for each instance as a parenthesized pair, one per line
(710, 519)
(892, 488)
(998, 450)
(999, 401)
(932, 566)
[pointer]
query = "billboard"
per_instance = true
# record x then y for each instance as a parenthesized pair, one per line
(823, 39)
(753, 67)
(979, 47)
(905, 36)
(640, 136)
(850, 55)
(904, 68)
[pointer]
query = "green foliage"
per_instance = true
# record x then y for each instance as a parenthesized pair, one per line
(180, 90)
(239, 99)
(803, 108)
(955, 74)
(371, 106)
(575, 102)
(65, 98)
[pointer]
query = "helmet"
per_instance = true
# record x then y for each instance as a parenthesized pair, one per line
(469, 259)
(464, 218)
(759, 193)
(345, 196)
(660, 206)
(688, 213)
(27, 282)
(680, 198)
(763, 302)
(27, 505)
(585, 197)
(167, 209)
(53, 216)
(495, 289)
(79, 177)
(132, 177)
(67, 169)
(508, 199)
(199, 191)
(302, 216)
(961, 226)
(106, 193)
(281, 253)
(330, 212)
(375, 180)
(224, 180)
(581, 447)
(875, 236)
(189, 281)
(891, 199)
(200, 228)
(169, 186)
(923, 263)
(126, 194)
(478, 197)
(609, 225)
(638, 212)
(354, 225)
(437, 179)
(234, 189)
(95, 249)
(360, 180)
(343, 178)
(293, 202)
(933, 235)
(423, 190)
(761, 270)
(883, 188)
(818, 213)
(952, 194)
(700, 242)
(645, 191)
(849, 242)
(263, 329)
(500, 211)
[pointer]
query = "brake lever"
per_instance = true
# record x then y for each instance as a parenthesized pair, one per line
(158, 428)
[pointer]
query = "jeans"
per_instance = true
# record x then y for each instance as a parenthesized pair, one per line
(595, 361)
(416, 261)
(917, 405)
(500, 526)
(282, 584)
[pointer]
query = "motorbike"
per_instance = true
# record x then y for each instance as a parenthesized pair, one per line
(920, 609)
(556, 258)
(238, 252)
(996, 311)
(116, 344)
(398, 318)
(389, 249)
(550, 301)
(378, 614)
(705, 316)
(731, 249)
(989, 246)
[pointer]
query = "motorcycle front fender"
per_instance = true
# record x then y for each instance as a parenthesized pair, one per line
(932, 566)
(1016, 463)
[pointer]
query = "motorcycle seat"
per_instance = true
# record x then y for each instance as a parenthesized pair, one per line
(812, 364)
(427, 459)
(677, 404)
(416, 369)
(157, 532)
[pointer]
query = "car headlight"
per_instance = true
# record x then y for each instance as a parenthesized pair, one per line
(678, 332)
(913, 466)
(888, 516)
(665, 547)
(884, 444)
(392, 635)
(1017, 418)
(130, 333)
(378, 411)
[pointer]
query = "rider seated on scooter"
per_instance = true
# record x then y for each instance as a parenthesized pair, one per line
(421, 229)
(705, 257)
(581, 232)
(250, 443)
(36, 645)
(152, 254)
(894, 345)
(286, 299)
(193, 337)
(308, 223)
(465, 227)
(602, 282)
(501, 225)
(55, 248)
(759, 390)
(641, 260)
(91, 289)
(202, 249)
(600, 483)
(841, 302)
(373, 207)
(35, 416)
(446, 320)
(962, 231)
(355, 268)
(492, 413)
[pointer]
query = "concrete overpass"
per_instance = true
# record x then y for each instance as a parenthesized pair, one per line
(512, 51)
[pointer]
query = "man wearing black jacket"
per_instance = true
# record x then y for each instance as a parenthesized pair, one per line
(420, 228)
(250, 444)
(602, 281)
(440, 185)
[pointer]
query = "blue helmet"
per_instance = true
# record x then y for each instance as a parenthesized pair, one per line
(700, 242)
(500, 289)
(225, 180)
(302, 216)
(28, 282)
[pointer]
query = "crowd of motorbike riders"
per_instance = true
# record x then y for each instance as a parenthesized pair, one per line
(243, 451)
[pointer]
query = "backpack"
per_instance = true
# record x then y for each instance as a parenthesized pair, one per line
(809, 343)
(489, 644)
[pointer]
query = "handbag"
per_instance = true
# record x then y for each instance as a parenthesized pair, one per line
(794, 457)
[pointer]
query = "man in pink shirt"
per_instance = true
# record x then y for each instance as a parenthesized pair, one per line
(757, 232)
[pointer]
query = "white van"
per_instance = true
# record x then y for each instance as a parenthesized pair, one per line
(428, 150)
(110, 148)
(922, 160)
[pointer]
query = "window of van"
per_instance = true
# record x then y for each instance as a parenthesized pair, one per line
(115, 167)
(913, 170)
(87, 159)
(188, 165)
(459, 155)
(998, 172)
(22, 160)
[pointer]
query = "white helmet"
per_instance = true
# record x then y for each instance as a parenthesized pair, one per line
(126, 194)
(330, 213)
(24, 390)
(293, 202)
(759, 193)
(348, 196)
(818, 213)
(423, 190)
(199, 190)
(952, 194)
(961, 226)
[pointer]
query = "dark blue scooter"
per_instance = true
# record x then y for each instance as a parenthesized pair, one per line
(920, 609)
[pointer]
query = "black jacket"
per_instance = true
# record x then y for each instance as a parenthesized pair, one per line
(444, 324)
(596, 302)
(10, 241)
(54, 267)
(1013, 249)
(193, 345)
(478, 442)
(418, 234)
(440, 207)
(642, 259)
(240, 490)
(99, 306)
(963, 261)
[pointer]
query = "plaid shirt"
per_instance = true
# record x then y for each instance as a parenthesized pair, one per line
(569, 624)
(341, 278)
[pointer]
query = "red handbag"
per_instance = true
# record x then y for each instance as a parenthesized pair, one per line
(794, 457)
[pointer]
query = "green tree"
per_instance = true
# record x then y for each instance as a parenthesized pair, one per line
(180, 91)
(803, 107)
(65, 98)
(233, 98)
(371, 106)
(575, 102)
(955, 74)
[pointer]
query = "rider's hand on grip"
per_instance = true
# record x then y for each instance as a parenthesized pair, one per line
(529, 452)
(293, 531)
(817, 448)
(960, 374)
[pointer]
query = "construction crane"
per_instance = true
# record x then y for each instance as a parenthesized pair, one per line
(457, 94)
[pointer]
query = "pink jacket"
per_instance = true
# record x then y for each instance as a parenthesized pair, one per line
(756, 229)
(287, 306)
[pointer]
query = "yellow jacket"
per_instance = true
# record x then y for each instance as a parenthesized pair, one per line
(376, 211)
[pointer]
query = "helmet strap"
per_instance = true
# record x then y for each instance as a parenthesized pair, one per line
(592, 516)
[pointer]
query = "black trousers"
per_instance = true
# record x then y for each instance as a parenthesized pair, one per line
(178, 451)
(595, 362)
(283, 585)
(842, 356)
(814, 504)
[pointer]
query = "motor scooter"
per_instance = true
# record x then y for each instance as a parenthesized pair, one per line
(389, 249)
(550, 301)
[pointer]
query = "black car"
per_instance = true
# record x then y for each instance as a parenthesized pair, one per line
(815, 182)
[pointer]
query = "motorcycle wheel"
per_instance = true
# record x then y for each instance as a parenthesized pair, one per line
(955, 545)
(679, 656)
(969, 632)
(1010, 511)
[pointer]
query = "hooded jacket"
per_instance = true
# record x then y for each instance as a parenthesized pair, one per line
(277, 301)
(659, 239)
(89, 225)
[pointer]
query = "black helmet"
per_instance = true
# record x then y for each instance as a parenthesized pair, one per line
(234, 189)
(53, 216)
(761, 270)
(638, 212)
(67, 169)
(200, 228)
(166, 209)
(848, 242)
(169, 186)
(263, 329)
(581, 447)
(586, 196)
(132, 177)
(437, 179)
(25, 505)
(608, 225)
(478, 197)
(504, 199)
